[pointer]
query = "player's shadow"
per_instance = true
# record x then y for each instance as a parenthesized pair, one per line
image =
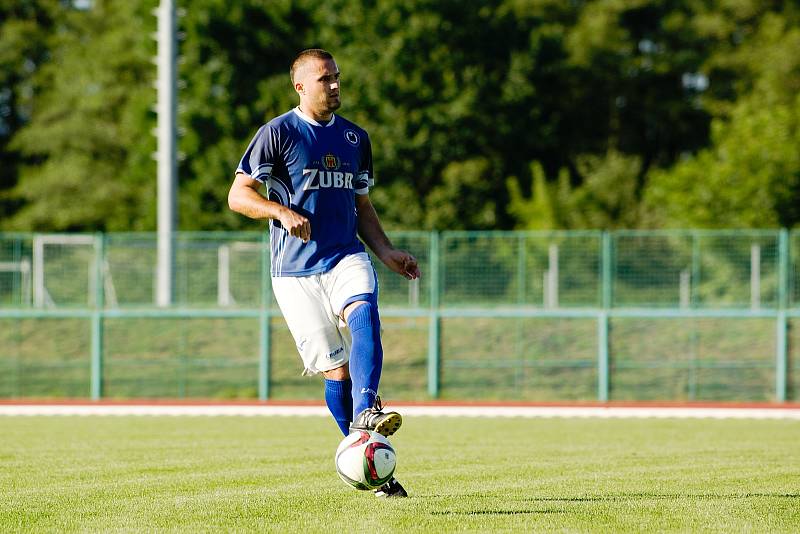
(625, 496)
(544, 501)
(496, 512)
(662, 496)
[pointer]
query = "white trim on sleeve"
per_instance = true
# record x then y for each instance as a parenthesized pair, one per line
(263, 172)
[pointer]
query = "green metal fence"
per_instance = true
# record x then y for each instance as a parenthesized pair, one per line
(626, 315)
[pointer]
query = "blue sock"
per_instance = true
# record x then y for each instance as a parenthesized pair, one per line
(340, 402)
(366, 355)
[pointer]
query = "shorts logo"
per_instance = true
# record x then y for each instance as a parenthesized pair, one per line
(352, 137)
(330, 162)
(334, 353)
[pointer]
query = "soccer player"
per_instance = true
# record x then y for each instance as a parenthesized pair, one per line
(317, 168)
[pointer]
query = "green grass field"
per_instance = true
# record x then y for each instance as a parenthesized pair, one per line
(263, 474)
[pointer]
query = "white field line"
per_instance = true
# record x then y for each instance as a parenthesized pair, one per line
(409, 411)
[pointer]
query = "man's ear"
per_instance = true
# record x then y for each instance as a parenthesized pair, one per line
(299, 88)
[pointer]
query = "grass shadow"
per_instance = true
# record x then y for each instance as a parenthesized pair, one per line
(662, 496)
(544, 501)
(496, 512)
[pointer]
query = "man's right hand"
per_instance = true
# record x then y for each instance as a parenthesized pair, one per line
(244, 197)
(294, 223)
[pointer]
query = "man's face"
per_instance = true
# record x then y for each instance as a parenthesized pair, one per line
(318, 85)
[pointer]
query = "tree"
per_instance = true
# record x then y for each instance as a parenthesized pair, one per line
(632, 57)
(582, 104)
(235, 76)
(87, 144)
(442, 90)
(543, 209)
(607, 197)
(750, 175)
(24, 46)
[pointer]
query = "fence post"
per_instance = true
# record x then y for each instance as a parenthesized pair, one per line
(605, 261)
(602, 356)
(434, 321)
(783, 268)
(694, 296)
(780, 358)
(602, 318)
(755, 276)
(265, 333)
(96, 380)
(781, 341)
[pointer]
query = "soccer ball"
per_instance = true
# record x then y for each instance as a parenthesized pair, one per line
(365, 460)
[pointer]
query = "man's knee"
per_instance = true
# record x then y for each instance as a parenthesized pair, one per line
(350, 308)
(340, 373)
(362, 314)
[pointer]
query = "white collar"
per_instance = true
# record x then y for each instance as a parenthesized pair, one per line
(312, 121)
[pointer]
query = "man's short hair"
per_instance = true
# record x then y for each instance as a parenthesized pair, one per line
(305, 55)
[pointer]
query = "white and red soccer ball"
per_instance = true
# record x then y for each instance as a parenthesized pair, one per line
(365, 460)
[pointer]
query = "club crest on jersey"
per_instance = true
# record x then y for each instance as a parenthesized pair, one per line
(330, 162)
(352, 137)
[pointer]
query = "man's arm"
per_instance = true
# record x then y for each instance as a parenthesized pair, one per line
(370, 230)
(244, 198)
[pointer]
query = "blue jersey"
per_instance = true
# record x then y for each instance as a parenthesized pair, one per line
(316, 170)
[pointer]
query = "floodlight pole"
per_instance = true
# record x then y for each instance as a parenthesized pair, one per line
(167, 153)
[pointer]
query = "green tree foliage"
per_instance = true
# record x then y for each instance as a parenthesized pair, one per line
(606, 198)
(631, 57)
(544, 209)
(622, 110)
(744, 173)
(440, 87)
(492, 114)
(234, 76)
(87, 144)
(464, 194)
(25, 29)
(750, 175)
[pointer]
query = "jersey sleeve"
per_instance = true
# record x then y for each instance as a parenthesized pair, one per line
(365, 177)
(261, 154)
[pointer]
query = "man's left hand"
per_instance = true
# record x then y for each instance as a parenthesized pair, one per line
(402, 263)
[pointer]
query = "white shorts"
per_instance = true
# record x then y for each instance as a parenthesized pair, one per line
(312, 307)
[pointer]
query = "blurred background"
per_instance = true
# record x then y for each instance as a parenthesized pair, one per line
(526, 114)
(603, 195)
